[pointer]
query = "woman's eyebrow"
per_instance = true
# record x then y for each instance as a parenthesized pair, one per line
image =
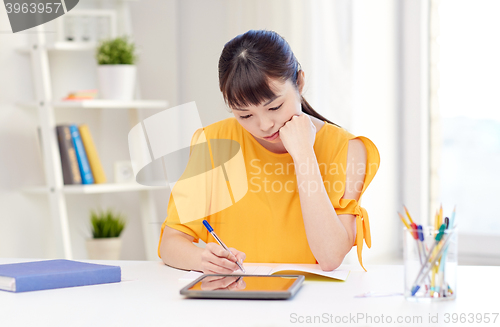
(272, 99)
(265, 104)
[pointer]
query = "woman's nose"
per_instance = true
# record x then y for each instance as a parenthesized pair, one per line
(266, 124)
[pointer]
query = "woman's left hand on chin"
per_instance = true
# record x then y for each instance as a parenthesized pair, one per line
(298, 135)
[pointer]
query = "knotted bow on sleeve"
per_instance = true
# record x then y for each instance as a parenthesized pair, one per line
(350, 206)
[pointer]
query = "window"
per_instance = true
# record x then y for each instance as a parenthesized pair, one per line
(465, 120)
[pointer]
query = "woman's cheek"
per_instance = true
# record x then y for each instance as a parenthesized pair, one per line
(289, 113)
(249, 126)
(296, 109)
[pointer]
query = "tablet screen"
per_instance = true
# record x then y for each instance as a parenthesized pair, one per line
(244, 283)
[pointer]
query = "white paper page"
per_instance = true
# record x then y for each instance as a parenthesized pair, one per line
(256, 270)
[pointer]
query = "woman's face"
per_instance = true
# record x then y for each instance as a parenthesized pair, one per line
(265, 120)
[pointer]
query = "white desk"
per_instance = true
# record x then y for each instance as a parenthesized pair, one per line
(149, 296)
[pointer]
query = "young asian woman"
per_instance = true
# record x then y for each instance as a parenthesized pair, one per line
(306, 174)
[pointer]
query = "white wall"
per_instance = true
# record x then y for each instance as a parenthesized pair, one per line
(22, 220)
(374, 115)
(413, 108)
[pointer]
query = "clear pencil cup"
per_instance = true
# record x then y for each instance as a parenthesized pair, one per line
(430, 265)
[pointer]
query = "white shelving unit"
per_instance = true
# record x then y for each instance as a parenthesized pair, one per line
(102, 104)
(62, 46)
(45, 105)
(95, 188)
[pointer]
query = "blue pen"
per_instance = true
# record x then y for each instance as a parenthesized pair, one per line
(211, 231)
(421, 238)
(416, 235)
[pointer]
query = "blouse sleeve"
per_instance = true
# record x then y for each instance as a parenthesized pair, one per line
(350, 206)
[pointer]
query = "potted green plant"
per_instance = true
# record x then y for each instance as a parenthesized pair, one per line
(116, 60)
(106, 229)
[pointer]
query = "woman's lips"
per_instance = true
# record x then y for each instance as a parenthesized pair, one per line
(272, 137)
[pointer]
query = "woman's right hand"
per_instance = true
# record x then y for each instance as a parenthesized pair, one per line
(216, 260)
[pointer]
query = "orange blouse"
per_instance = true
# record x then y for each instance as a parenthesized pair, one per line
(263, 217)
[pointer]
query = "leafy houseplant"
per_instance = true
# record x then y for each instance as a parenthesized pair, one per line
(118, 51)
(106, 224)
(106, 229)
(116, 71)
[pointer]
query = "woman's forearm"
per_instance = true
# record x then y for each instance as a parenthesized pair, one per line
(326, 235)
(178, 252)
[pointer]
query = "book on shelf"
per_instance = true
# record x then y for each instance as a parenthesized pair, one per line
(81, 95)
(69, 161)
(50, 274)
(80, 163)
(81, 155)
(93, 157)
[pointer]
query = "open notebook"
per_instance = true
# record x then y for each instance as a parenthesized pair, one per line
(265, 270)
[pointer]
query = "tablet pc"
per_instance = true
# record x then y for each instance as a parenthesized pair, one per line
(244, 287)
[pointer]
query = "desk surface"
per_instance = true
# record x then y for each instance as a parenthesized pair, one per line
(149, 296)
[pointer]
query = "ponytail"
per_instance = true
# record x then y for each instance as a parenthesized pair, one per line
(306, 107)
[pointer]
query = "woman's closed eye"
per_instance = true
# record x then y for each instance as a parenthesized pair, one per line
(272, 109)
(276, 108)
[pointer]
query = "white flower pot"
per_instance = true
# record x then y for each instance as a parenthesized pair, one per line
(104, 248)
(116, 82)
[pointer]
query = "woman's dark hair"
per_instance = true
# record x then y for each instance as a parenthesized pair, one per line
(248, 62)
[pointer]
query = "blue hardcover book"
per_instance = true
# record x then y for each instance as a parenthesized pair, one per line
(48, 274)
(81, 155)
